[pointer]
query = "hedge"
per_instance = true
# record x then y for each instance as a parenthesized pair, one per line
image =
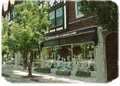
(5, 75)
(63, 73)
(82, 74)
(43, 70)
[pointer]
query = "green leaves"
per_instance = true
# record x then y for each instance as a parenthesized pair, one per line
(27, 27)
(28, 24)
(105, 12)
(5, 26)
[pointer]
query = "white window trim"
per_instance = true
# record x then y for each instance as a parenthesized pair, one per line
(77, 16)
(65, 20)
(52, 30)
(60, 28)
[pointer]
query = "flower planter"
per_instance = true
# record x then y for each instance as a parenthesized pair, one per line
(63, 72)
(82, 74)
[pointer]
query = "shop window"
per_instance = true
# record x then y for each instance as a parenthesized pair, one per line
(52, 18)
(58, 19)
(59, 16)
(78, 9)
(84, 51)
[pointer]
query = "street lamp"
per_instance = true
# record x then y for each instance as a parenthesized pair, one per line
(12, 2)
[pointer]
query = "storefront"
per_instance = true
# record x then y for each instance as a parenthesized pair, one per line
(71, 52)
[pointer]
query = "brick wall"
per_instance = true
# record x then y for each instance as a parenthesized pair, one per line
(74, 23)
(77, 23)
(71, 11)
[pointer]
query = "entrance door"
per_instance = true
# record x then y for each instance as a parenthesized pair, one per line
(112, 56)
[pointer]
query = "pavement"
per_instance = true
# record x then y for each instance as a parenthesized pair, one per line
(18, 75)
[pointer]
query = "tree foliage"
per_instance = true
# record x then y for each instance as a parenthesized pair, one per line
(105, 12)
(29, 24)
(5, 48)
(5, 26)
(27, 29)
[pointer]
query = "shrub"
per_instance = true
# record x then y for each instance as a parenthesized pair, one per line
(82, 74)
(5, 75)
(43, 70)
(63, 72)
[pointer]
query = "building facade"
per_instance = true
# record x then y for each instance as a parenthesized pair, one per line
(8, 14)
(75, 42)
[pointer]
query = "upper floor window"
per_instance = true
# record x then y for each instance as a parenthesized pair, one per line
(11, 15)
(56, 18)
(78, 9)
(59, 16)
(52, 18)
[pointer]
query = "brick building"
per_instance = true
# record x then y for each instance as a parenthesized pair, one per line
(74, 42)
(74, 39)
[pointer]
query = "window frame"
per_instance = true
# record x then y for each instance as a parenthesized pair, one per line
(57, 24)
(80, 15)
(53, 19)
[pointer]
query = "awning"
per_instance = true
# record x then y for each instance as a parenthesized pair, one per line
(82, 35)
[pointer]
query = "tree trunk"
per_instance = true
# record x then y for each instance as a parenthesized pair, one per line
(3, 57)
(29, 65)
(24, 59)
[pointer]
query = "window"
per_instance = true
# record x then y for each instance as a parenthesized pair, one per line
(8, 16)
(59, 15)
(52, 18)
(58, 19)
(11, 15)
(78, 9)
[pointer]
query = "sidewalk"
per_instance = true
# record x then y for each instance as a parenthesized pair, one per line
(16, 76)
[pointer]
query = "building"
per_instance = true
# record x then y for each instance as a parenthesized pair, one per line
(74, 41)
(8, 13)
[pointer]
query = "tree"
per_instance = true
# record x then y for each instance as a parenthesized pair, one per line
(5, 48)
(105, 12)
(5, 26)
(28, 26)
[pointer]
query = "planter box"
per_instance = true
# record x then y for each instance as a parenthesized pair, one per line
(63, 72)
(82, 74)
(43, 70)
